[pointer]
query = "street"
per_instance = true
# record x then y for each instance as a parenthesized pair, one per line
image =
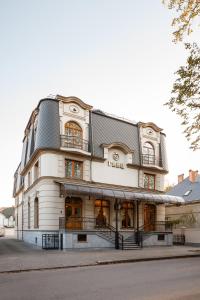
(168, 279)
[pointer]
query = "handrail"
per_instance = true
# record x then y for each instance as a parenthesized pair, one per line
(166, 225)
(154, 226)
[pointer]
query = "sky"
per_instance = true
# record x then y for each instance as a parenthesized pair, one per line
(116, 55)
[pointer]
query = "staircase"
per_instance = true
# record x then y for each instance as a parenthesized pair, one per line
(124, 244)
(130, 243)
(107, 235)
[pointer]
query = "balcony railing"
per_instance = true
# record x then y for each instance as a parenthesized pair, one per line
(74, 142)
(85, 223)
(159, 226)
(151, 160)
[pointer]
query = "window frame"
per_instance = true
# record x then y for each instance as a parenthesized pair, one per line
(154, 180)
(148, 153)
(29, 213)
(73, 168)
(36, 212)
(36, 170)
(74, 127)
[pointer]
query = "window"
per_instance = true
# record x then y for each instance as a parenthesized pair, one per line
(102, 213)
(29, 178)
(73, 168)
(36, 213)
(36, 170)
(187, 193)
(82, 238)
(148, 154)
(29, 214)
(74, 135)
(149, 181)
(127, 211)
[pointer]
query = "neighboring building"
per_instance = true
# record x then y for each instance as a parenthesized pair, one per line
(186, 217)
(94, 177)
(7, 217)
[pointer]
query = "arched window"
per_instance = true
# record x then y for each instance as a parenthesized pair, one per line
(148, 154)
(73, 129)
(29, 214)
(36, 213)
(74, 134)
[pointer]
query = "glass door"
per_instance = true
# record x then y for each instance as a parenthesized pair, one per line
(149, 217)
(73, 213)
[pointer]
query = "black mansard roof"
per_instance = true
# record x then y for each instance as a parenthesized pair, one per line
(104, 129)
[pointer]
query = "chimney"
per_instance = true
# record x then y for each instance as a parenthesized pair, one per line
(193, 175)
(180, 178)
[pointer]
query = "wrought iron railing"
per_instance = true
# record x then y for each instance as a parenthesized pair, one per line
(50, 241)
(147, 159)
(102, 229)
(179, 239)
(74, 142)
(158, 226)
(154, 227)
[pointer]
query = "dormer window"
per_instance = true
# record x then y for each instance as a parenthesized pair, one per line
(73, 129)
(74, 135)
(187, 193)
(148, 154)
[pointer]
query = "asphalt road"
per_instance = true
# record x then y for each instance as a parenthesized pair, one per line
(170, 279)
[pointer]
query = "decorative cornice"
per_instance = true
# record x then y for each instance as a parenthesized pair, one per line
(118, 145)
(73, 99)
(150, 124)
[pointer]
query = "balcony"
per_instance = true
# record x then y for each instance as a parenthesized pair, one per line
(151, 160)
(74, 142)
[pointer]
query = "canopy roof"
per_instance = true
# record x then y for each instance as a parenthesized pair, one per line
(102, 192)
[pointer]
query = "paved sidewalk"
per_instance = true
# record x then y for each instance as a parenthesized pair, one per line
(16, 256)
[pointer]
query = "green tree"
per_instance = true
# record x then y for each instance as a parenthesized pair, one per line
(185, 100)
(187, 11)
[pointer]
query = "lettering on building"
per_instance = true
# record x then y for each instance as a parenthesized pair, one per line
(115, 164)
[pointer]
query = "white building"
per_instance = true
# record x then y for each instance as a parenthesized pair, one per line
(93, 178)
(7, 217)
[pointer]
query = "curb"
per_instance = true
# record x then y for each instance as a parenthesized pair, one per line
(101, 263)
(134, 260)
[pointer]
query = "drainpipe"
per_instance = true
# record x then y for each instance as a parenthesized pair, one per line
(22, 218)
(137, 219)
(117, 227)
(91, 143)
(17, 220)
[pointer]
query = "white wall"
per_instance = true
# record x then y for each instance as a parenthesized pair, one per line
(51, 205)
(2, 220)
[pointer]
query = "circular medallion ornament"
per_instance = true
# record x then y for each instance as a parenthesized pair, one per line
(74, 108)
(149, 131)
(115, 156)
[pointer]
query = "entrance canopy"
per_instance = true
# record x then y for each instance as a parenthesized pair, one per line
(104, 192)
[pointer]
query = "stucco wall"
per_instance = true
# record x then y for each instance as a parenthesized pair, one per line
(101, 172)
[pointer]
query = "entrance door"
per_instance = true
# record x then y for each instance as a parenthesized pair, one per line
(73, 213)
(149, 217)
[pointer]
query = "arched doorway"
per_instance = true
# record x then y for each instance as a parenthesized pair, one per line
(149, 217)
(73, 213)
